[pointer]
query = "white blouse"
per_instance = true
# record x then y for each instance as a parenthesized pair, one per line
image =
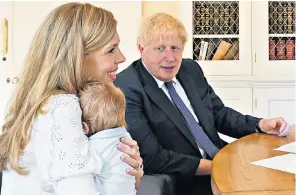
(59, 157)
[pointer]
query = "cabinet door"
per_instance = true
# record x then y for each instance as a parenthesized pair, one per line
(219, 35)
(272, 102)
(6, 57)
(239, 99)
(273, 34)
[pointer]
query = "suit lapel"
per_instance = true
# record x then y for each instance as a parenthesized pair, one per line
(163, 102)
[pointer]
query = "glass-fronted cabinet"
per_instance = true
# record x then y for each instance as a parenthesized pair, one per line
(274, 33)
(219, 36)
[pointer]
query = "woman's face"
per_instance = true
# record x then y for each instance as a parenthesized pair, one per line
(104, 61)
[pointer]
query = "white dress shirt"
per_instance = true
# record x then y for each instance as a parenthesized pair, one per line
(183, 96)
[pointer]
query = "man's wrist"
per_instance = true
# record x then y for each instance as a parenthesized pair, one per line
(258, 127)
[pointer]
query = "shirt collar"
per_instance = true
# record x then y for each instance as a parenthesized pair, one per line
(159, 82)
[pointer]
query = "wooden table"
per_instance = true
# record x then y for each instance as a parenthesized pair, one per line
(232, 173)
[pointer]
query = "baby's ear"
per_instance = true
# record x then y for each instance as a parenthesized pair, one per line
(85, 128)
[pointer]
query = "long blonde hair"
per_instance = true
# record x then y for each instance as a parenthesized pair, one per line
(54, 64)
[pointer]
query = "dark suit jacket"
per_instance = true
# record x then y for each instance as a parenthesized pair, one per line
(166, 143)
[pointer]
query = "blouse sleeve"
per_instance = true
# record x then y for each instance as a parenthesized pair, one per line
(63, 154)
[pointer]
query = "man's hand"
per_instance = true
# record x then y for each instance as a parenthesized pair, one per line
(205, 167)
(276, 126)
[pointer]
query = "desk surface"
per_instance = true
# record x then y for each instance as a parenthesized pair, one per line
(232, 173)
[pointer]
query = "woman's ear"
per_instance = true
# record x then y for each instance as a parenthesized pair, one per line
(85, 128)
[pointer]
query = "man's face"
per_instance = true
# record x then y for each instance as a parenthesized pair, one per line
(163, 56)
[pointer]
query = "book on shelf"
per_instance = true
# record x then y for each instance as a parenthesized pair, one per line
(216, 26)
(285, 16)
(294, 17)
(275, 16)
(280, 50)
(222, 50)
(226, 16)
(203, 50)
(237, 19)
(290, 49)
(272, 55)
(232, 51)
(210, 51)
(211, 20)
(221, 19)
(279, 19)
(236, 57)
(232, 19)
(207, 17)
(197, 17)
(290, 21)
(202, 19)
(271, 9)
(196, 50)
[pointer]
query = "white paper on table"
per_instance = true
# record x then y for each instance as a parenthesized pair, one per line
(226, 138)
(291, 147)
(283, 163)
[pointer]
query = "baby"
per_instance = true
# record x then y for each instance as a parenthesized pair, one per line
(103, 112)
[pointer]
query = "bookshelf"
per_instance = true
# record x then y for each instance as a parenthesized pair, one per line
(221, 21)
(281, 16)
(217, 40)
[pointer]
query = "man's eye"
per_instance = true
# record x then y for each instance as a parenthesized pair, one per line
(159, 49)
(175, 48)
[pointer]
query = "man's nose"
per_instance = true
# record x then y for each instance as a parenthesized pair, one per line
(169, 55)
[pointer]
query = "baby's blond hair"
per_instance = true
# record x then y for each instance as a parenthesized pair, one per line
(103, 106)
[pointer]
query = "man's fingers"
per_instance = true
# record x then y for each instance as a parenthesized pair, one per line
(273, 132)
(283, 124)
(285, 132)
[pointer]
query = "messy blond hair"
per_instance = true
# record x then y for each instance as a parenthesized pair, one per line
(54, 64)
(103, 106)
(157, 25)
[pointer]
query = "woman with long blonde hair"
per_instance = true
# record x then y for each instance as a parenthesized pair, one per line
(43, 149)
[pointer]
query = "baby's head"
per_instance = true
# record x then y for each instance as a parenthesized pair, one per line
(103, 107)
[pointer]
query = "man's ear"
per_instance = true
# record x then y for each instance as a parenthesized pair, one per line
(85, 128)
(141, 49)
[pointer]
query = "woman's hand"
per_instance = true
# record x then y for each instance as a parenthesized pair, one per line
(131, 148)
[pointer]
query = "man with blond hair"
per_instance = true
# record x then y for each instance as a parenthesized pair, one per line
(174, 114)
